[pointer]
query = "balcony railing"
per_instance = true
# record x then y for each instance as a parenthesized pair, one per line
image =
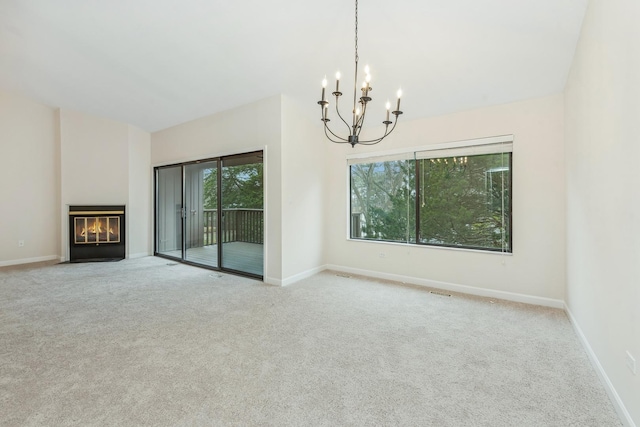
(238, 225)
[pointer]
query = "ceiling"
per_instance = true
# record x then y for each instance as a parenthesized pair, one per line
(158, 63)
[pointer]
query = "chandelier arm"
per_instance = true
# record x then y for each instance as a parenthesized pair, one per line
(375, 141)
(355, 91)
(361, 120)
(330, 139)
(342, 118)
(327, 128)
(334, 141)
(386, 133)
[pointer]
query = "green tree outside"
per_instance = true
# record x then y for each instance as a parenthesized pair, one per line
(384, 195)
(461, 201)
(241, 187)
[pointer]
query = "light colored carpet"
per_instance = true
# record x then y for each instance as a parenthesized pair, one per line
(151, 342)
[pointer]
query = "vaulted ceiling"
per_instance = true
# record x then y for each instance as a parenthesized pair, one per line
(158, 63)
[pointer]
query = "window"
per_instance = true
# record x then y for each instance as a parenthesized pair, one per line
(383, 201)
(447, 197)
(464, 201)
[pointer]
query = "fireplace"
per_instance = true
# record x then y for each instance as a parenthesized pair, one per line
(96, 233)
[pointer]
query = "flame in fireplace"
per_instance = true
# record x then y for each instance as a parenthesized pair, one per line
(96, 228)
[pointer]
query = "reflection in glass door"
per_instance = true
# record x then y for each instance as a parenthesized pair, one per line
(201, 219)
(242, 222)
(169, 211)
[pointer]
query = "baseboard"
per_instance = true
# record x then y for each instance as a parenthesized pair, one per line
(272, 281)
(297, 277)
(624, 415)
(139, 255)
(472, 290)
(28, 260)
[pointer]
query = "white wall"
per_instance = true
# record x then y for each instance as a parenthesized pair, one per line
(303, 190)
(251, 127)
(97, 157)
(536, 268)
(53, 158)
(139, 206)
(29, 171)
(603, 209)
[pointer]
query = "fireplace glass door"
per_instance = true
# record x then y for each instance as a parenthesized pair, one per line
(97, 229)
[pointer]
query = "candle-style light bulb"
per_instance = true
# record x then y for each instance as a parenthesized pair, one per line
(388, 107)
(338, 81)
(399, 96)
(324, 85)
(367, 76)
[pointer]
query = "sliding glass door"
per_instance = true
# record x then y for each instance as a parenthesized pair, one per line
(201, 208)
(242, 213)
(211, 213)
(169, 211)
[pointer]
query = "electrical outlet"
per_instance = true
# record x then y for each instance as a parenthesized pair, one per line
(383, 255)
(631, 363)
(20, 243)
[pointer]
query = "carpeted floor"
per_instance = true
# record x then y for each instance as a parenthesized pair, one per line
(151, 342)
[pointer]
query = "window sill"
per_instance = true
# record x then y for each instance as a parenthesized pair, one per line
(434, 247)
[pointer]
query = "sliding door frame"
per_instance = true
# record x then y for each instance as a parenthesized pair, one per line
(219, 217)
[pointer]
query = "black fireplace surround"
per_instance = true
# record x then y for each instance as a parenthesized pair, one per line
(96, 233)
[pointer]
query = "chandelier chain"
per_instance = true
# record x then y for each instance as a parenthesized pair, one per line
(357, 31)
(355, 73)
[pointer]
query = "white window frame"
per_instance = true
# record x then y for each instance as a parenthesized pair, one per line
(471, 147)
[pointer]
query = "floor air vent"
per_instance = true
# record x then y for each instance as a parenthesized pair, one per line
(440, 293)
(346, 276)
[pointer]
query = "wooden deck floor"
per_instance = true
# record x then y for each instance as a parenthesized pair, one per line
(238, 256)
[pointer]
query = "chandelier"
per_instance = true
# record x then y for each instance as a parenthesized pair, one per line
(359, 106)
